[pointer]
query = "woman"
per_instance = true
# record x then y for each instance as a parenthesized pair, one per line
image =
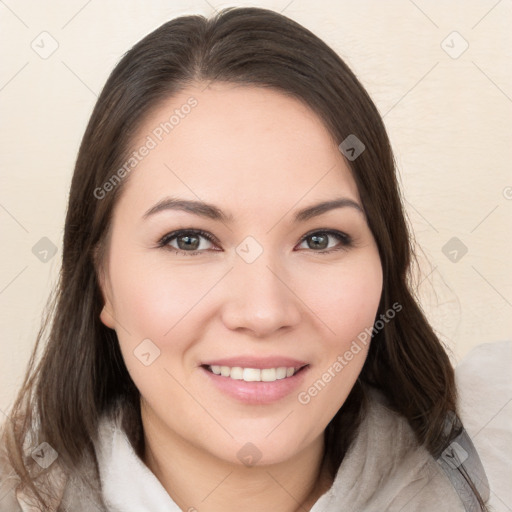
(201, 355)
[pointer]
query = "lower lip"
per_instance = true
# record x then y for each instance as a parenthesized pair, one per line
(257, 393)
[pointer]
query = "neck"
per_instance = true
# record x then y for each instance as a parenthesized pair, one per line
(196, 480)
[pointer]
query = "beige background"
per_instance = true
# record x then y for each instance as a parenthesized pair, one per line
(449, 117)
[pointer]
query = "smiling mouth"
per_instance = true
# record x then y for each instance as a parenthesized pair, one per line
(254, 374)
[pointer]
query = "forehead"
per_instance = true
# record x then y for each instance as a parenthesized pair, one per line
(229, 141)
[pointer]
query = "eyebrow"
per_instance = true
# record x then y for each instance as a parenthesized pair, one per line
(211, 211)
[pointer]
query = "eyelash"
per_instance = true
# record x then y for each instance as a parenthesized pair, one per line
(345, 240)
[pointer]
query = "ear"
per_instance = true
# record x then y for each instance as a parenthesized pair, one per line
(107, 312)
(106, 318)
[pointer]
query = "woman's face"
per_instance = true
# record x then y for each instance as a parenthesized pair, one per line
(263, 293)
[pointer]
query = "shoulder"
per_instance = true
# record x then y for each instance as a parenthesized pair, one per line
(385, 469)
(415, 480)
(9, 481)
(484, 385)
(71, 491)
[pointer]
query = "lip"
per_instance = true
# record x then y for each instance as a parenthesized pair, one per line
(257, 362)
(256, 393)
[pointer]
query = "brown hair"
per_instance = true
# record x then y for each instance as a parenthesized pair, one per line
(81, 374)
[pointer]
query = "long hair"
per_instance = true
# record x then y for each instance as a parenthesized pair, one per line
(81, 374)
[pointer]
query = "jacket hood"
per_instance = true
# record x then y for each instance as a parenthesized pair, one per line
(384, 470)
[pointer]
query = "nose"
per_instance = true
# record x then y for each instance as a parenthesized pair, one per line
(259, 298)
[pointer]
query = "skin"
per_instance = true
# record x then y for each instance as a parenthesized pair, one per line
(260, 156)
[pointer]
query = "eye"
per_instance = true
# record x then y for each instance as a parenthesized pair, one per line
(188, 241)
(320, 241)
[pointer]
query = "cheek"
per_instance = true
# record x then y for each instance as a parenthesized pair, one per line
(151, 298)
(151, 302)
(346, 297)
(348, 308)
(357, 302)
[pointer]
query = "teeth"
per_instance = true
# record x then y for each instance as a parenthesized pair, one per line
(237, 373)
(281, 373)
(269, 374)
(253, 374)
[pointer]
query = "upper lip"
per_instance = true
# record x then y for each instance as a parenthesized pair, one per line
(257, 362)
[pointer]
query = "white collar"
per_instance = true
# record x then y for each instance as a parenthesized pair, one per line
(128, 484)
